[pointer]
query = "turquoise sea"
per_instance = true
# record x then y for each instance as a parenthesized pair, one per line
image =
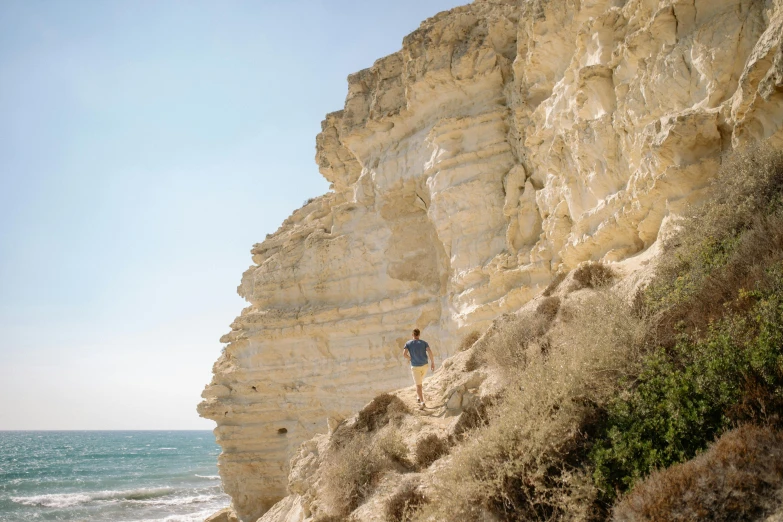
(123, 476)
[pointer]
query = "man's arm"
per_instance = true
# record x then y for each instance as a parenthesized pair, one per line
(406, 354)
(432, 358)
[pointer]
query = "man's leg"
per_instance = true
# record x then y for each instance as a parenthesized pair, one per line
(418, 379)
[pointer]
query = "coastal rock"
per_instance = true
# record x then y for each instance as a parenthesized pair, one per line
(224, 515)
(505, 142)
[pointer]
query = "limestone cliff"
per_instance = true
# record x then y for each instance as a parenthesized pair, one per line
(506, 141)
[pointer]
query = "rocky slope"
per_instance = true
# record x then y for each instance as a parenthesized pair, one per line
(506, 141)
(454, 394)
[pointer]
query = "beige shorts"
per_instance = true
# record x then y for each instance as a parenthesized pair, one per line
(418, 374)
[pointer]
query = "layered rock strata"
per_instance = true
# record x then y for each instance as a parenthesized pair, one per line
(505, 142)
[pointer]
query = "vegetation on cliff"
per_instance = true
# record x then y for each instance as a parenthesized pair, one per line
(623, 390)
(609, 404)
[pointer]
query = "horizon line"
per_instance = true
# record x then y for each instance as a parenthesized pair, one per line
(77, 430)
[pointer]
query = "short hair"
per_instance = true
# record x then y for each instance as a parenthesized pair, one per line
(416, 332)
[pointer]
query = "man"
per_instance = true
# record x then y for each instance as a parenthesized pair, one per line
(416, 351)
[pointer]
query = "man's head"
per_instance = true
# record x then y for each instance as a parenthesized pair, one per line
(416, 333)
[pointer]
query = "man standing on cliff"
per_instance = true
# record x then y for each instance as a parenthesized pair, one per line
(416, 351)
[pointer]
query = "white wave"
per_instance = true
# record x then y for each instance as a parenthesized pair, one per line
(178, 501)
(192, 517)
(198, 516)
(210, 477)
(63, 500)
(167, 448)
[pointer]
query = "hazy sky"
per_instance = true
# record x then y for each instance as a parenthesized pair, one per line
(144, 147)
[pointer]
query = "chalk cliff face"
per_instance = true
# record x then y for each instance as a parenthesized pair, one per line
(506, 141)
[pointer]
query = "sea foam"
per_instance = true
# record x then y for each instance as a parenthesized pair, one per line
(210, 477)
(63, 500)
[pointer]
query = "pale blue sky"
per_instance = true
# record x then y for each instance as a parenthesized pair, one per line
(144, 147)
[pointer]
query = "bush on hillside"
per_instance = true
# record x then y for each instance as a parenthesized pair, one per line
(555, 283)
(722, 247)
(474, 416)
(382, 410)
(717, 315)
(469, 340)
(548, 307)
(429, 449)
(394, 448)
(686, 396)
(527, 464)
(594, 274)
(352, 473)
(404, 503)
(738, 478)
(329, 518)
(513, 339)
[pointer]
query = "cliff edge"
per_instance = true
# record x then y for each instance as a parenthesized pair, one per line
(506, 142)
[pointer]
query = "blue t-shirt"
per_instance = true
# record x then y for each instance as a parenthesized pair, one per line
(418, 351)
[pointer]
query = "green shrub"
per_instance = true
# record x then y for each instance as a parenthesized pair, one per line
(689, 394)
(722, 247)
(738, 478)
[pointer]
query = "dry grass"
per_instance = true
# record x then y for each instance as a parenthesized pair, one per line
(749, 181)
(357, 461)
(594, 275)
(736, 479)
(530, 462)
(526, 464)
(548, 307)
(469, 340)
(554, 284)
(475, 361)
(383, 408)
(390, 443)
(351, 475)
(474, 416)
(512, 338)
(329, 518)
(722, 247)
(518, 339)
(402, 505)
(429, 449)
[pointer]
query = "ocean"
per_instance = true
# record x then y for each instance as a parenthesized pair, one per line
(122, 476)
